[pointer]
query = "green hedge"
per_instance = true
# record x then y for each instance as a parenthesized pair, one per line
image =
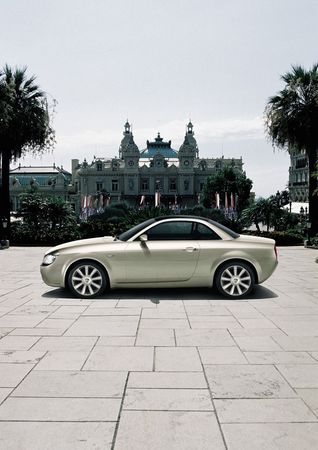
(282, 238)
(23, 234)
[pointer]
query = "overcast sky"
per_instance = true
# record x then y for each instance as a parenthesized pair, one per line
(158, 63)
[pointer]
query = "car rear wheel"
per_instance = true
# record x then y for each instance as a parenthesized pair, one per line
(235, 279)
(87, 280)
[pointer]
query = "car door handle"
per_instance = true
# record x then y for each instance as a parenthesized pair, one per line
(190, 249)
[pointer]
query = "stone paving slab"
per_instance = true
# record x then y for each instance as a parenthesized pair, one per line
(173, 430)
(167, 400)
(247, 381)
(56, 435)
(182, 369)
(71, 384)
(165, 380)
(263, 411)
(271, 436)
(60, 409)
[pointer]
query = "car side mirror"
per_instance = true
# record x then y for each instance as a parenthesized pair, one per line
(143, 238)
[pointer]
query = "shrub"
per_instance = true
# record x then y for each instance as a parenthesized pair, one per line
(98, 228)
(282, 238)
(314, 241)
(23, 234)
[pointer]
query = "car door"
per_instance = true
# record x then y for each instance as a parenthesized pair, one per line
(169, 255)
(212, 248)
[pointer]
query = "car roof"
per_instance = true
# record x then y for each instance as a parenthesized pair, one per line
(178, 216)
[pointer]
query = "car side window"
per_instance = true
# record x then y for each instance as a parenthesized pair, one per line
(168, 231)
(202, 232)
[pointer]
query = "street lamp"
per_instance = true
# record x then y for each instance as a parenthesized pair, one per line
(4, 243)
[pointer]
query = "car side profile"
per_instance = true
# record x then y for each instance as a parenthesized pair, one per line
(170, 251)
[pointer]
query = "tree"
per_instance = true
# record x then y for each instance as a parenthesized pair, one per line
(270, 212)
(46, 213)
(25, 125)
(228, 180)
(291, 123)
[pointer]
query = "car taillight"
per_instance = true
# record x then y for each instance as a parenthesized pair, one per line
(275, 250)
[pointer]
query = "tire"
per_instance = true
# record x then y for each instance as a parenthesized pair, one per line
(235, 280)
(87, 279)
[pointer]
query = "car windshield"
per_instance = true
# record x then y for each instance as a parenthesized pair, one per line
(130, 233)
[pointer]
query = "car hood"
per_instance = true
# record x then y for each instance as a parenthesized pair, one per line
(258, 239)
(91, 241)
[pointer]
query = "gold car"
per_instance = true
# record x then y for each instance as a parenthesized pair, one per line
(171, 251)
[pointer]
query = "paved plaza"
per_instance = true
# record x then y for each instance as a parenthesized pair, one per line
(167, 369)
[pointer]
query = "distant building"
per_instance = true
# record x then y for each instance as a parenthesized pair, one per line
(48, 180)
(298, 184)
(155, 175)
(138, 176)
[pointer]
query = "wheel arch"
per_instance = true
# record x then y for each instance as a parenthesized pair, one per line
(85, 260)
(232, 260)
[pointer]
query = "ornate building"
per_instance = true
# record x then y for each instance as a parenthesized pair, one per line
(137, 176)
(298, 177)
(47, 180)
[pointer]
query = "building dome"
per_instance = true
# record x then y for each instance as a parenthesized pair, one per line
(159, 146)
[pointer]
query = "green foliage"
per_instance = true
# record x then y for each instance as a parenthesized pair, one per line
(228, 180)
(50, 212)
(96, 228)
(282, 238)
(291, 123)
(25, 125)
(25, 120)
(270, 212)
(314, 241)
(46, 220)
(24, 234)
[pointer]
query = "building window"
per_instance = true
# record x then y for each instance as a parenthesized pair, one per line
(115, 185)
(99, 186)
(99, 166)
(172, 184)
(144, 184)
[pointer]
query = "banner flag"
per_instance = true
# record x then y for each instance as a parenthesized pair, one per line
(157, 199)
(232, 201)
(217, 195)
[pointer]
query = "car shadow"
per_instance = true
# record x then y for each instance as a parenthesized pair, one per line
(163, 294)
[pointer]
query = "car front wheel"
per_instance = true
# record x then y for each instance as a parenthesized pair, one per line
(235, 280)
(87, 280)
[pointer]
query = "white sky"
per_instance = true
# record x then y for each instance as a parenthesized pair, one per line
(160, 62)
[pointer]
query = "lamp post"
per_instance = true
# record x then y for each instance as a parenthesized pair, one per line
(4, 243)
(308, 226)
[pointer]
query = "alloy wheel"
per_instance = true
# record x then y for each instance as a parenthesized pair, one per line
(235, 280)
(87, 280)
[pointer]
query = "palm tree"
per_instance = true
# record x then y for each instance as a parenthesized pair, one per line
(292, 123)
(24, 126)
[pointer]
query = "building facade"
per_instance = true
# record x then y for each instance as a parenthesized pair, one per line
(156, 174)
(298, 184)
(137, 176)
(47, 180)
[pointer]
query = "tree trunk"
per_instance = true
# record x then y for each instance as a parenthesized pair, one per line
(257, 226)
(5, 196)
(313, 198)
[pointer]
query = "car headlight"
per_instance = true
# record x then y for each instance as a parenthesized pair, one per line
(48, 259)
